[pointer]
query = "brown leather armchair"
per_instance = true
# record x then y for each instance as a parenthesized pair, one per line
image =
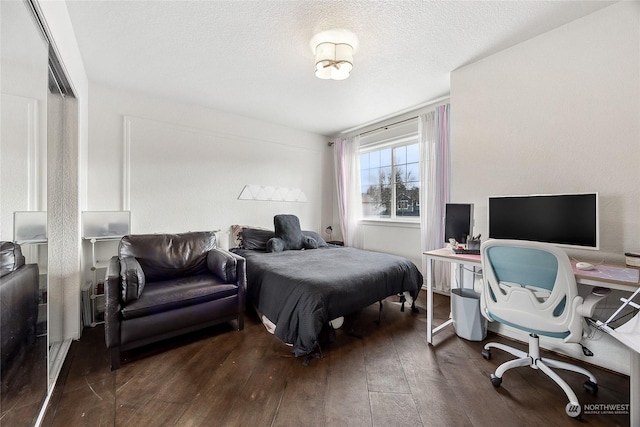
(163, 285)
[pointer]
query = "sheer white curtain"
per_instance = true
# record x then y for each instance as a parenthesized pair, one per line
(433, 130)
(346, 153)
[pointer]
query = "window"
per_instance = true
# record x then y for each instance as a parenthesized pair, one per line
(390, 180)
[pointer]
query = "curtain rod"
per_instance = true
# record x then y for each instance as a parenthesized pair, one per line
(399, 113)
(385, 127)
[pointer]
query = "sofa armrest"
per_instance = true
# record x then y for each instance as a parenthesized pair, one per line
(222, 264)
(229, 267)
(112, 303)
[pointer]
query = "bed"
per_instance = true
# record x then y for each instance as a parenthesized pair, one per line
(298, 292)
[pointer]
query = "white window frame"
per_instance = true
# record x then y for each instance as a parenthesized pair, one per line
(404, 140)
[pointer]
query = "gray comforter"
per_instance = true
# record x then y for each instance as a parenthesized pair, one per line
(300, 291)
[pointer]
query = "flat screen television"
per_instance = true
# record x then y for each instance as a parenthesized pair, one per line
(458, 222)
(562, 219)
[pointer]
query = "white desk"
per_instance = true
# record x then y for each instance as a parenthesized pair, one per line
(606, 276)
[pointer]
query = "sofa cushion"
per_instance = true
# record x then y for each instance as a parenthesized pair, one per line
(132, 279)
(11, 257)
(169, 256)
(167, 295)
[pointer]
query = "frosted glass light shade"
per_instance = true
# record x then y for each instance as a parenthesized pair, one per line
(334, 61)
(333, 51)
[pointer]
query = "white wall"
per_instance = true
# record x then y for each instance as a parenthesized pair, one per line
(187, 165)
(558, 113)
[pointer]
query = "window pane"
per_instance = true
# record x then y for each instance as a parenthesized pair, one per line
(401, 174)
(376, 201)
(391, 172)
(385, 157)
(373, 176)
(413, 185)
(413, 153)
(364, 178)
(408, 199)
(413, 172)
(364, 161)
(374, 159)
(400, 154)
(385, 174)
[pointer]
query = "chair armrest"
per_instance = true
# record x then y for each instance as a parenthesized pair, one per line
(587, 308)
(112, 303)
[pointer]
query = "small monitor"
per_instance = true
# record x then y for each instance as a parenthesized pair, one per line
(458, 222)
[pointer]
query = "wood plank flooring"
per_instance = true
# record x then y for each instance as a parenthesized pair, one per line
(389, 377)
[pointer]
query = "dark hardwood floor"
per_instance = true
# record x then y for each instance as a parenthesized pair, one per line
(389, 377)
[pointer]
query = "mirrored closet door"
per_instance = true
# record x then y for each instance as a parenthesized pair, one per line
(23, 205)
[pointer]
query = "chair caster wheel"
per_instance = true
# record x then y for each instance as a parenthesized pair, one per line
(486, 354)
(591, 387)
(495, 381)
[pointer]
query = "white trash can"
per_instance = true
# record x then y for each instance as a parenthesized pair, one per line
(468, 321)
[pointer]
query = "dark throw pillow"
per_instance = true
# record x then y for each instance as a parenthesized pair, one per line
(309, 242)
(255, 239)
(275, 244)
(315, 236)
(288, 230)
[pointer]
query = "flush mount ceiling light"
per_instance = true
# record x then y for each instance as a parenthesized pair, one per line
(333, 50)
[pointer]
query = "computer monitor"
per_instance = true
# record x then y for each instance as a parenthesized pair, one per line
(458, 222)
(562, 219)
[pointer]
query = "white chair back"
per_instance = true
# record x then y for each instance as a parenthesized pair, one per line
(530, 286)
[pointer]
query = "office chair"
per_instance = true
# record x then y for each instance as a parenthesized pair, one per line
(531, 286)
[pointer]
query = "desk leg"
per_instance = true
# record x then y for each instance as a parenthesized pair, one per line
(634, 389)
(429, 301)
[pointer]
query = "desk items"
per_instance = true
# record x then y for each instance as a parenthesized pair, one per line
(633, 259)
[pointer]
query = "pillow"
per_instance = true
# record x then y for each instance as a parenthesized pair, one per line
(255, 239)
(238, 230)
(309, 242)
(288, 230)
(315, 236)
(132, 278)
(275, 244)
(288, 235)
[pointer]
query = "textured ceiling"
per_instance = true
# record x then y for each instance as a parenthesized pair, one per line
(254, 59)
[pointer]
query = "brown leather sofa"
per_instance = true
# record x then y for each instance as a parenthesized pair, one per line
(18, 303)
(163, 285)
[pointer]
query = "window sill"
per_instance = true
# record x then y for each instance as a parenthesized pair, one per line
(391, 223)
